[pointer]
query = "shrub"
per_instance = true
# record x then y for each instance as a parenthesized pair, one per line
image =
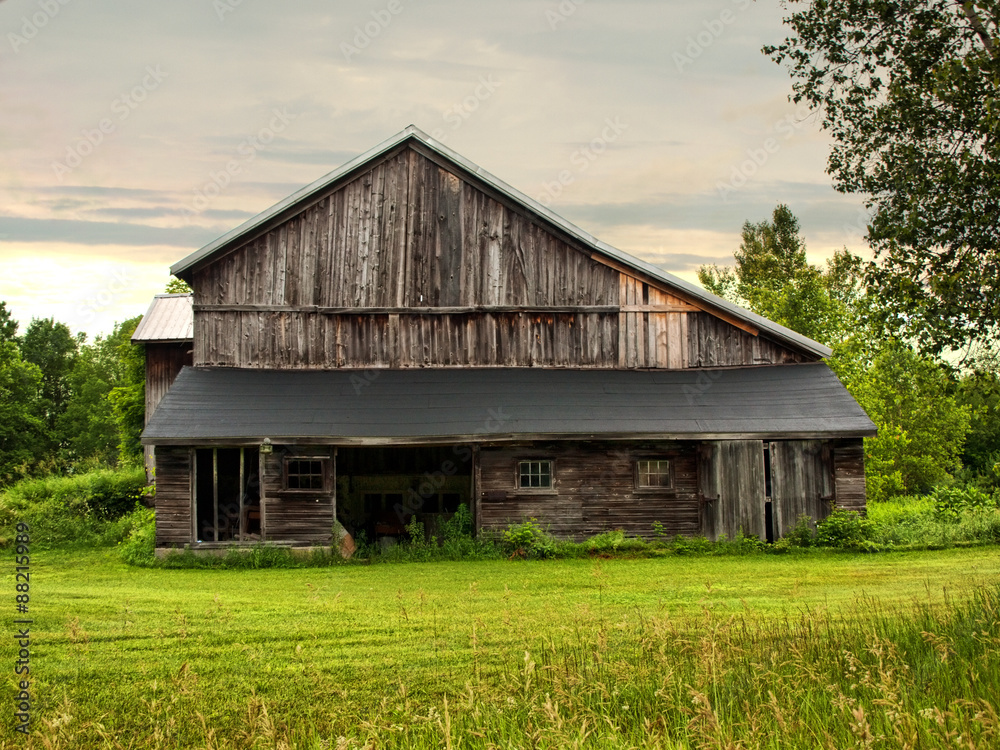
(952, 502)
(692, 545)
(741, 544)
(845, 529)
(802, 535)
(83, 510)
(528, 540)
(139, 547)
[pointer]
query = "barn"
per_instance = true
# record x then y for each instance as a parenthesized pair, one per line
(409, 334)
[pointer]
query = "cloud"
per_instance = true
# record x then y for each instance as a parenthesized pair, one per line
(19, 229)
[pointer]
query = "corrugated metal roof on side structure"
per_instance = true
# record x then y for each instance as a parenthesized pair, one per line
(278, 211)
(170, 317)
(415, 406)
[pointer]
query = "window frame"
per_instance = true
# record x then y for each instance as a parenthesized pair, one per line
(654, 489)
(550, 489)
(324, 462)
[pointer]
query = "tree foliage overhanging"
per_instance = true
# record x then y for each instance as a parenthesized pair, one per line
(930, 422)
(909, 91)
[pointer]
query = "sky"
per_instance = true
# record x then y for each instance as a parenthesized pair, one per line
(132, 134)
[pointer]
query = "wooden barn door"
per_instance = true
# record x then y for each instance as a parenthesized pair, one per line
(801, 478)
(732, 480)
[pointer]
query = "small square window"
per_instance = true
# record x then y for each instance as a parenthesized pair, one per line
(534, 475)
(653, 474)
(305, 474)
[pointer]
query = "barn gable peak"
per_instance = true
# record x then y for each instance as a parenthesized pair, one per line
(633, 270)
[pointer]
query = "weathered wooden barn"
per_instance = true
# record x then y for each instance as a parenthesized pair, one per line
(409, 333)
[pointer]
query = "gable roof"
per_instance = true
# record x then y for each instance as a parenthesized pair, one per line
(250, 228)
(170, 317)
(421, 406)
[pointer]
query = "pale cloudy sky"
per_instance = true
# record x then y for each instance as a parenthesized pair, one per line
(656, 125)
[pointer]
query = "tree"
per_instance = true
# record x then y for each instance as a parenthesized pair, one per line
(128, 397)
(106, 409)
(773, 278)
(177, 286)
(910, 397)
(922, 426)
(908, 89)
(21, 424)
(8, 326)
(53, 349)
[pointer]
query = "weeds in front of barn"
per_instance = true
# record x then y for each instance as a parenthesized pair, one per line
(903, 524)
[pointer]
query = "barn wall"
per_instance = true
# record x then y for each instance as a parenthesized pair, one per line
(173, 496)
(296, 516)
(410, 265)
(732, 482)
(594, 490)
(849, 475)
(801, 482)
(163, 364)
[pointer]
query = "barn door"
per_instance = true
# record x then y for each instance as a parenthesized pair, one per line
(733, 482)
(800, 480)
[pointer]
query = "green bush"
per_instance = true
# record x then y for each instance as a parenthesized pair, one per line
(845, 529)
(692, 545)
(528, 540)
(90, 509)
(952, 502)
(802, 535)
(139, 547)
(741, 544)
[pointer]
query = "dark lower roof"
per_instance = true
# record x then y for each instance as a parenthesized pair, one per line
(206, 406)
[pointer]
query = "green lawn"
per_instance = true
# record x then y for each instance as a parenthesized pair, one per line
(240, 658)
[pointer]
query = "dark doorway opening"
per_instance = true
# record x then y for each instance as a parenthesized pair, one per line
(227, 495)
(381, 489)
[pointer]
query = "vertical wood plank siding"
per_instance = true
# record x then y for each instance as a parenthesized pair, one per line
(594, 490)
(163, 364)
(410, 235)
(801, 476)
(173, 496)
(849, 475)
(733, 483)
(297, 517)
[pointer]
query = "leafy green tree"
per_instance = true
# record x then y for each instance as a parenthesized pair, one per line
(980, 392)
(128, 396)
(773, 278)
(908, 90)
(910, 397)
(88, 422)
(922, 426)
(52, 348)
(8, 326)
(21, 423)
(177, 286)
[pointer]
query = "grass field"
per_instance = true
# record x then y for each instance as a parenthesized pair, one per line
(819, 650)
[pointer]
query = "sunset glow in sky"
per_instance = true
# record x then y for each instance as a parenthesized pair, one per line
(134, 133)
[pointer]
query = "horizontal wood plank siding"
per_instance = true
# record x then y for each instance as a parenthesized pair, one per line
(849, 475)
(297, 517)
(173, 496)
(594, 491)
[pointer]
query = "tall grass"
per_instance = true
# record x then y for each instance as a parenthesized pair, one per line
(879, 678)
